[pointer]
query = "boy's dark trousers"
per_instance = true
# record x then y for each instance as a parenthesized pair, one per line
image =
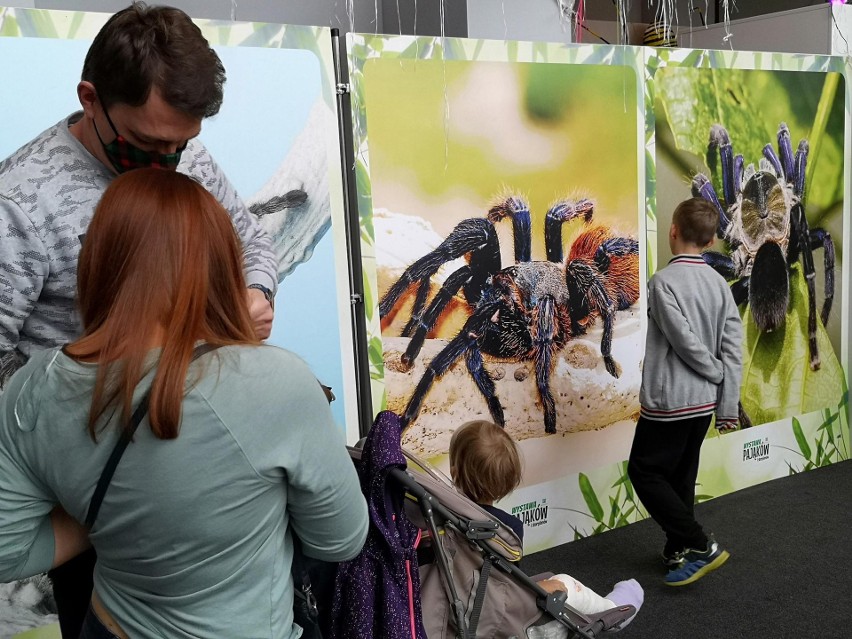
(663, 467)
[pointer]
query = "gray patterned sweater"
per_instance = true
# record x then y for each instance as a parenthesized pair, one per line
(48, 192)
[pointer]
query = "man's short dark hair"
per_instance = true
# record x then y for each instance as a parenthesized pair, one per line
(697, 220)
(143, 47)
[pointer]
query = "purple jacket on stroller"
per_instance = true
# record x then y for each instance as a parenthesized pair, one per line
(378, 592)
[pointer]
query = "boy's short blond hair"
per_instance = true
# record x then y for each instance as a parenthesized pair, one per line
(484, 461)
(697, 220)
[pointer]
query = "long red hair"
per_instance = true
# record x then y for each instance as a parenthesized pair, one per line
(161, 265)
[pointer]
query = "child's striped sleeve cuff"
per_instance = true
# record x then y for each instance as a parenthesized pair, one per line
(726, 423)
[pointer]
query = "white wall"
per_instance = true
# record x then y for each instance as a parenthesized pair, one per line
(325, 13)
(841, 32)
(806, 30)
(517, 20)
(369, 16)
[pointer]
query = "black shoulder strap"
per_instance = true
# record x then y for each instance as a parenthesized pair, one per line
(123, 441)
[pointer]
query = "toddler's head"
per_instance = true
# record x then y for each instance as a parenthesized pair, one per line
(484, 461)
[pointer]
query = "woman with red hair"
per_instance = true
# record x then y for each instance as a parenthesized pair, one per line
(237, 452)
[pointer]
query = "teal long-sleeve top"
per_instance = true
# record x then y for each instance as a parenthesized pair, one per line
(194, 534)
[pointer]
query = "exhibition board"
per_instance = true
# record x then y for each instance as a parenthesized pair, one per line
(277, 139)
(445, 131)
(448, 131)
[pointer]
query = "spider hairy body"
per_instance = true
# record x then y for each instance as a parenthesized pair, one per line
(521, 289)
(762, 215)
(763, 223)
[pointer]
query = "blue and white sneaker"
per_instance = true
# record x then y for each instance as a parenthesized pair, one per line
(696, 564)
(672, 560)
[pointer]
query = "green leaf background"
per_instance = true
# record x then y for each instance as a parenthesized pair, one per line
(777, 380)
(590, 497)
(750, 105)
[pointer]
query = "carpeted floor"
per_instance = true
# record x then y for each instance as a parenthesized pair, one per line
(789, 575)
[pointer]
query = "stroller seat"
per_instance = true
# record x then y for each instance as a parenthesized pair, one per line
(474, 587)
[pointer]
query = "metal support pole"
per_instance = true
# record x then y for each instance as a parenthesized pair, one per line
(353, 235)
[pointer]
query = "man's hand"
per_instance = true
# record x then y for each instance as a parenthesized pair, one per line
(261, 312)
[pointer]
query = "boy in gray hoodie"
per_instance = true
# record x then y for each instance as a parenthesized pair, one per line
(692, 369)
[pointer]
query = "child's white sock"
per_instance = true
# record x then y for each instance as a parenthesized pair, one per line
(630, 593)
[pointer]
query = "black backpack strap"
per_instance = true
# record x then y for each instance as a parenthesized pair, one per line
(479, 599)
(123, 441)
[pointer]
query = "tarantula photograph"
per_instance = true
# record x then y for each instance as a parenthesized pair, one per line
(762, 220)
(527, 311)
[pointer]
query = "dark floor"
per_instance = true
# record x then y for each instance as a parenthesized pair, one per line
(789, 575)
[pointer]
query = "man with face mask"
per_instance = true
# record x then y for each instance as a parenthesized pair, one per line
(149, 80)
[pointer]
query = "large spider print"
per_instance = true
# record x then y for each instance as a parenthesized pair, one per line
(763, 222)
(525, 312)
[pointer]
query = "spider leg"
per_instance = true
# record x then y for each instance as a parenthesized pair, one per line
(800, 167)
(720, 263)
(820, 238)
(625, 293)
(475, 236)
(465, 340)
(615, 247)
(802, 235)
(517, 209)
(702, 187)
(560, 213)
(622, 277)
(785, 149)
(724, 266)
(738, 171)
(543, 332)
(769, 154)
(586, 293)
(485, 384)
(745, 420)
(739, 290)
(719, 139)
(606, 309)
(427, 321)
(417, 308)
(769, 287)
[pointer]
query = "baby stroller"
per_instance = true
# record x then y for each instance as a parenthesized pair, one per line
(470, 585)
